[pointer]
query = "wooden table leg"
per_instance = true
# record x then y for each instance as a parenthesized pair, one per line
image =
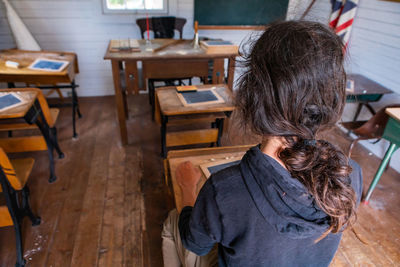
(218, 71)
(231, 72)
(392, 148)
(119, 99)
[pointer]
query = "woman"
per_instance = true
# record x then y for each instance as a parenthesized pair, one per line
(290, 198)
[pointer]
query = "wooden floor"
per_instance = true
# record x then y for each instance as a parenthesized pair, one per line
(109, 202)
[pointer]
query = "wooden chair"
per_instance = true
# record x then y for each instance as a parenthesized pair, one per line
(371, 129)
(32, 143)
(13, 177)
(179, 23)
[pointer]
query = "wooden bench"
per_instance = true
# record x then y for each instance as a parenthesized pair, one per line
(13, 179)
(171, 112)
(17, 121)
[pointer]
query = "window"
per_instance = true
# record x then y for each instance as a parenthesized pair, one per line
(135, 6)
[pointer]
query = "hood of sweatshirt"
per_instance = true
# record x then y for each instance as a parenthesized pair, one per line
(283, 201)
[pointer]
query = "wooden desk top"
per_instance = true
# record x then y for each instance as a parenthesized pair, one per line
(170, 104)
(363, 85)
(394, 113)
(21, 110)
(25, 58)
(177, 49)
(198, 157)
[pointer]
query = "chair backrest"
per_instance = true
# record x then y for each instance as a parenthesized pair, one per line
(7, 212)
(375, 126)
(179, 23)
(9, 171)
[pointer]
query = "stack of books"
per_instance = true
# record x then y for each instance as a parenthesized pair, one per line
(129, 45)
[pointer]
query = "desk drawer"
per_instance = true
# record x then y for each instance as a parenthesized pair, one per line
(175, 69)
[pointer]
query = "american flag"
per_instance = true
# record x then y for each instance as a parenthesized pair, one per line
(342, 17)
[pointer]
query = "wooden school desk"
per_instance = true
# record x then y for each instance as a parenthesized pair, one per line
(38, 78)
(172, 59)
(171, 111)
(392, 134)
(32, 113)
(197, 157)
(365, 92)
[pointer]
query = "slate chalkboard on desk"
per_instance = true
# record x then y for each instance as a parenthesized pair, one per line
(200, 97)
(214, 14)
(213, 167)
(9, 100)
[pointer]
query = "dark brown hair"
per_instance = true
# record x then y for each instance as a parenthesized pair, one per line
(294, 87)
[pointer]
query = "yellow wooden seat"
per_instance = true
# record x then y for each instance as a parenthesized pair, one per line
(22, 168)
(6, 127)
(13, 178)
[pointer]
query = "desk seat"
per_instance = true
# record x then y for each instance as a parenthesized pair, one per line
(6, 127)
(23, 168)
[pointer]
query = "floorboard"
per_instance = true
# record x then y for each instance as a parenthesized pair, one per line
(109, 202)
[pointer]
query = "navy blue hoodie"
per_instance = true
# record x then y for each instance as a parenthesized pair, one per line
(260, 216)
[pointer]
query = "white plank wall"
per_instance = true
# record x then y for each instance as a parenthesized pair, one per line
(81, 26)
(78, 26)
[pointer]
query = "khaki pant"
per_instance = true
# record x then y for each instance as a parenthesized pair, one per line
(175, 254)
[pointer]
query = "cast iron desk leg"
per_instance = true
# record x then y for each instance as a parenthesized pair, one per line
(51, 141)
(220, 125)
(75, 108)
(11, 200)
(164, 120)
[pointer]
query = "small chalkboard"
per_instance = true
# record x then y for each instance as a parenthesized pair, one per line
(215, 166)
(48, 65)
(200, 97)
(9, 100)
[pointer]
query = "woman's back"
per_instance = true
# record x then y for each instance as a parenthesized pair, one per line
(261, 216)
(290, 198)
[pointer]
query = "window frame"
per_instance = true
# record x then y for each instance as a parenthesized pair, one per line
(107, 10)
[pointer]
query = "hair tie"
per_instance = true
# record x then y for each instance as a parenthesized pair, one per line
(310, 142)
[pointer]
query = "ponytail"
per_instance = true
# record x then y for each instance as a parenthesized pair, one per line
(324, 171)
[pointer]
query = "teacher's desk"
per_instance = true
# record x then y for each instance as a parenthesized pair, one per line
(163, 59)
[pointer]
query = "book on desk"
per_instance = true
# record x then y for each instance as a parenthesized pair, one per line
(219, 46)
(125, 45)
